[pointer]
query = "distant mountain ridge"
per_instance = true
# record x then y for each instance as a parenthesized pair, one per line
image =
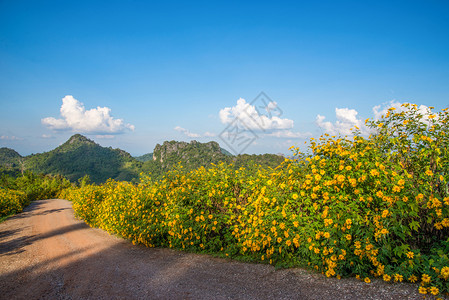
(80, 156)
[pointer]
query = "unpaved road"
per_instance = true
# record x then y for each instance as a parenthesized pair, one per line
(45, 253)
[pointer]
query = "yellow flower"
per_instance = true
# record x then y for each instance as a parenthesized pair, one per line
(422, 290)
(269, 182)
(398, 277)
(326, 235)
(348, 237)
(328, 222)
(429, 173)
(367, 280)
(295, 196)
(426, 278)
(434, 290)
(445, 272)
(413, 279)
(386, 277)
(410, 254)
(374, 172)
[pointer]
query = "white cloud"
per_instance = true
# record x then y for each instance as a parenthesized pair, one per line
(105, 136)
(381, 110)
(10, 138)
(249, 117)
(209, 134)
(194, 135)
(187, 132)
(346, 119)
(76, 118)
(47, 136)
(289, 134)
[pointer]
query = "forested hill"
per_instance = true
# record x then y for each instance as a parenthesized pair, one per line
(80, 156)
(10, 160)
(194, 155)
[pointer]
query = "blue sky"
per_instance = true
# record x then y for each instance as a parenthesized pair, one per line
(165, 70)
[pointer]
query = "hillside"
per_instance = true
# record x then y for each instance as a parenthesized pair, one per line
(145, 157)
(9, 158)
(11, 162)
(191, 156)
(194, 155)
(80, 156)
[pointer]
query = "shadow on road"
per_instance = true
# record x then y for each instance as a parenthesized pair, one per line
(14, 246)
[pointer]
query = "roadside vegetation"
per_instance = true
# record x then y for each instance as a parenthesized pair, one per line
(375, 207)
(18, 192)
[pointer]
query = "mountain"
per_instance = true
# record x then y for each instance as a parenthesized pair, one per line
(81, 156)
(191, 156)
(194, 155)
(145, 157)
(11, 162)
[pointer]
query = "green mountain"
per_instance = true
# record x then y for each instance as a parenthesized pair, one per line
(194, 155)
(11, 162)
(81, 156)
(191, 156)
(145, 157)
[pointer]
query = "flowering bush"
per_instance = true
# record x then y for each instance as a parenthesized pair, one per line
(11, 202)
(363, 207)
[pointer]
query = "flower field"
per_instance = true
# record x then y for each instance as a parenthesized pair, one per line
(364, 207)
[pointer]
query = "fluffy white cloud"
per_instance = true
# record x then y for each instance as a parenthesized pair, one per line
(187, 132)
(380, 110)
(76, 118)
(248, 116)
(209, 134)
(105, 136)
(289, 134)
(346, 119)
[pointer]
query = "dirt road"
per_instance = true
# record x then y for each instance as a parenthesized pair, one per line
(45, 253)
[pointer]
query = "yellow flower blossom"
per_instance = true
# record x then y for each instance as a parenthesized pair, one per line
(422, 290)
